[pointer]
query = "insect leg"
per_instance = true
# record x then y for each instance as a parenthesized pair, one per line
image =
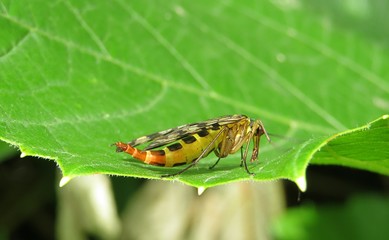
(246, 168)
(256, 140)
(244, 157)
(200, 157)
(215, 163)
(264, 131)
(241, 156)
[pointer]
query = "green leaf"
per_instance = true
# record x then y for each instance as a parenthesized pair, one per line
(77, 76)
(365, 148)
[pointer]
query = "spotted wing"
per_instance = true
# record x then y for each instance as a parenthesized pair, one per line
(174, 134)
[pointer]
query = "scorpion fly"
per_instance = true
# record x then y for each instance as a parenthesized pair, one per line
(188, 144)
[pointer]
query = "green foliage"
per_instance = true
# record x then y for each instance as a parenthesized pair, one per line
(365, 148)
(5, 151)
(77, 76)
(351, 221)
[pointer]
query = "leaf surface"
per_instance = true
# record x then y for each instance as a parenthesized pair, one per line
(77, 76)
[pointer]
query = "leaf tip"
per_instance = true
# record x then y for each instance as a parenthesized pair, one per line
(200, 190)
(302, 183)
(64, 181)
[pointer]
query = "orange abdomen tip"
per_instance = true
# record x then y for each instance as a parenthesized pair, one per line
(121, 147)
(124, 147)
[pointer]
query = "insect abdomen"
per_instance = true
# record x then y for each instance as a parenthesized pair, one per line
(189, 148)
(181, 152)
(153, 157)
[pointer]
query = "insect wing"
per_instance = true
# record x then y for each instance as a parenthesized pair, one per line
(171, 135)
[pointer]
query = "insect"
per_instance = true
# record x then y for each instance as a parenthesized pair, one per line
(188, 144)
